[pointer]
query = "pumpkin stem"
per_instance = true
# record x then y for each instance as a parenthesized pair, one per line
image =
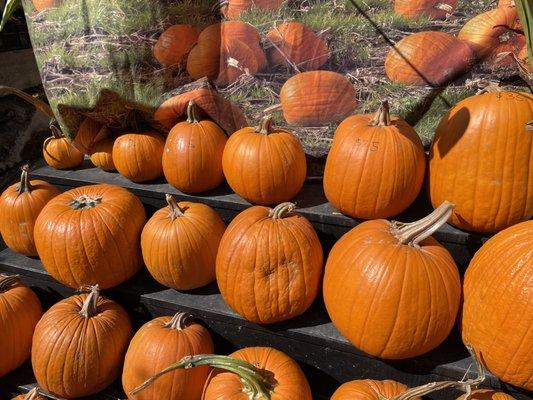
(85, 202)
(90, 304)
(7, 281)
(413, 233)
(258, 384)
(56, 132)
(25, 185)
(265, 126)
(38, 104)
(179, 321)
(382, 117)
(175, 209)
(529, 126)
(282, 210)
(192, 113)
(32, 394)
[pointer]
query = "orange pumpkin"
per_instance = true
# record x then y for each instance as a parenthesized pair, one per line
(294, 44)
(79, 345)
(89, 132)
(155, 346)
(435, 9)
(269, 264)
(31, 395)
(180, 243)
(58, 151)
(138, 156)
(497, 293)
(20, 310)
(192, 158)
(428, 58)
(375, 167)
(367, 389)
(252, 372)
(506, 3)
(485, 394)
(175, 43)
(234, 8)
(20, 204)
(102, 154)
(41, 5)
(507, 51)
(469, 161)
(264, 165)
(317, 98)
(102, 225)
(391, 289)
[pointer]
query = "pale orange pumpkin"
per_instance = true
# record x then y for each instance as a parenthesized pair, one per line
(508, 50)
(89, 132)
(102, 154)
(58, 151)
(175, 43)
(486, 394)
(234, 8)
(435, 9)
(507, 3)
(367, 389)
(41, 5)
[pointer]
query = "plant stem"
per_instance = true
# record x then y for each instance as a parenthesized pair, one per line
(25, 185)
(192, 113)
(175, 209)
(179, 321)
(32, 394)
(38, 104)
(525, 11)
(265, 126)
(6, 281)
(90, 304)
(382, 117)
(282, 210)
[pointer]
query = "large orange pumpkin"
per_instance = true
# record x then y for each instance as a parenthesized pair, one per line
(269, 264)
(428, 58)
(436, 9)
(253, 372)
(481, 158)
(79, 345)
(89, 132)
(58, 151)
(102, 154)
(90, 235)
(20, 310)
(486, 394)
(20, 204)
(264, 165)
(234, 8)
(317, 98)
(192, 158)
(175, 43)
(391, 289)
(41, 5)
(507, 3)
(507, 51)
(367, 389)
(155, 346)
(180, 243)
(375, 167)
(498, 296)
(31, 395)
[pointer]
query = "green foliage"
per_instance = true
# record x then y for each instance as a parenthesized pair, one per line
(9, 9)
(525, 10)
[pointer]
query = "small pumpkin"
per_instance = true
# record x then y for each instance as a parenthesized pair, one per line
(20, 204)
(31, 395)
(20, 310)
(317, 98)
(375, 167)
(89, 132)
(155, 346)
(180, 243)
(138, 155)
(375, 271)
(41, 5)
(428, 58)
(79, 345)
(234, 8)
(58, 151)
(192, 158)
(295, 44)
(269, 264)
(486, 394)
(368, 389)
(175, 43)
(497, 293)
(253, 372)
(264, 165)
(102, 154)
(102, 225)
(434, 9)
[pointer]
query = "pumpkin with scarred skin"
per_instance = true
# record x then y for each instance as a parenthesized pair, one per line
(175, 43)
(435, 9)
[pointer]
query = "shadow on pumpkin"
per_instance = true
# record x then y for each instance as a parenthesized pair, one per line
(457, 126)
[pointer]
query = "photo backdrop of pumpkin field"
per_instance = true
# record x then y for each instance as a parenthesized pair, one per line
(107, 58)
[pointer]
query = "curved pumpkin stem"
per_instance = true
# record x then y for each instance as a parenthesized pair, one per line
(413, 233)
(265, 126)
(175, 209)
(32, 394)
(6, 281)
(90, 304)
(179, 321)
(444, 7)
(25, 185)
(38, 104)
(258, 383)
(281, 210)
(56, 132)
(382, 117)
(192, 113)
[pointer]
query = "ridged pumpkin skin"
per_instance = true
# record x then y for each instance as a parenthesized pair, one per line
(20, 310)
(317, 98)
(89, 132)
(20, 204)
(180, 244)
(192, 158)
(269, 264)
(497, 293)
(482, 164)
(137, 156)
(375, 167)
(435, 9)
(41, 5)
(264, 165)
(102, 154)
(59, 153)
(512, 45)
(155, 346)
(367, 389)
(507, 3)
(75, 355)
(391, 299)
(102, 225)
(428, 58)
(234, 8)
(175, 43)
(485, 394)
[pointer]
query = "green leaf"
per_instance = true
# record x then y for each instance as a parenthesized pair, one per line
(525, 10)
(9, 9)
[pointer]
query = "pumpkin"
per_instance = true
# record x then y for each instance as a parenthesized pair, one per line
(485, 394)
(155, 346)
(391, 289)
(507, 51)
(175, 43)
(20, 204)
(470, 161)
(368, 389)
(375, 167)
(20, 310)
(41, 5)
(507, 3)
(79, 345)
(428, 58)
(435, 9)
(102, 225)
(317, 98)
(497, 293)
(31, 395)
(294, 44)
(102, 154)
(138, 155)
(234, 8)
(58, 151)
(269, 264)
(192, 158)
(264, 165)
(180, 243)
(89, 132)
(253, 372)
